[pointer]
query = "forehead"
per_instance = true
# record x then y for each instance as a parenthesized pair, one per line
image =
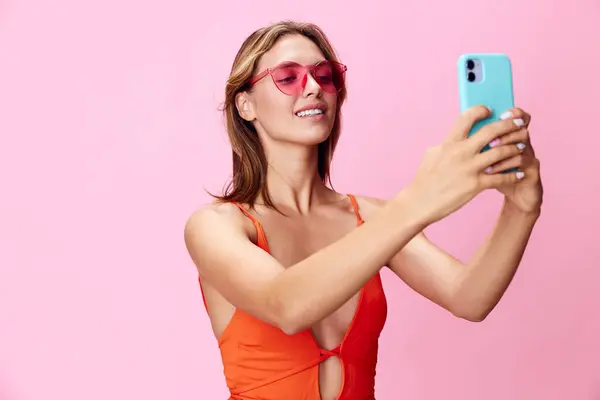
(295, 48)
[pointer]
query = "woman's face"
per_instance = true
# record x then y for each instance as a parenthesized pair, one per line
(278, 115)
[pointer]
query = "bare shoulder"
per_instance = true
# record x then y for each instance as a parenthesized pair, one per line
(212, 223)
(213, 214)
(236, 272)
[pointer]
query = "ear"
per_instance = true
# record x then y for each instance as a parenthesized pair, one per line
(244, 106)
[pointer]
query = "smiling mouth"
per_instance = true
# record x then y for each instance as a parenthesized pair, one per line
(310, 113)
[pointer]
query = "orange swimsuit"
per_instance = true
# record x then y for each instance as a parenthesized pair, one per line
(262, 362)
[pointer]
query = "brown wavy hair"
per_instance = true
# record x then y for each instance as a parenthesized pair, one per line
(249, 162)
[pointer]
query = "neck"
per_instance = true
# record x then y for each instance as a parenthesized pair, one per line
(293, 178)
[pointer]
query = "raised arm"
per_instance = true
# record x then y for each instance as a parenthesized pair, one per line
(471, 290)
(295, 298)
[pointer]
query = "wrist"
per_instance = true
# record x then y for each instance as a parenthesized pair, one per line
(410, 205)
(512, 209)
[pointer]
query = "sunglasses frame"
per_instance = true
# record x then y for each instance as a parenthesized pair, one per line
(342, 68)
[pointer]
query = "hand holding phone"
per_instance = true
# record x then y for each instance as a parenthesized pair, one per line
(486, 79)
(483, 142)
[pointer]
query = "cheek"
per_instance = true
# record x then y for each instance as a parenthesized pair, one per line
(274, 112)
(331, 101)
(273, 107)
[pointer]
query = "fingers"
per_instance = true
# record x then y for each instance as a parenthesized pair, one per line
(517, 113)
(514, 137)
(517, 161)
(466, 120)
(498, 180)
(489, 133)
(497, 154)
(522, 135)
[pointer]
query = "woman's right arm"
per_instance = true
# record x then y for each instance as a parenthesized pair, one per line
(296, 297)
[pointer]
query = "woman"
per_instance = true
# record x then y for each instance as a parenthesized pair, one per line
(289, 269)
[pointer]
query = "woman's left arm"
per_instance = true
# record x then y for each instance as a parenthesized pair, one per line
(472, 290)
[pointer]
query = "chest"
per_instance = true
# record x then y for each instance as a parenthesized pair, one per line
(291, 240)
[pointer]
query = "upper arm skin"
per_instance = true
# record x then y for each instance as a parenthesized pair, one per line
(423, 266)
(226, 258)
(296, 297)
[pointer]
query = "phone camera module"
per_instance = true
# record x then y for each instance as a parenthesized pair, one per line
(471, 77)
(470, 64)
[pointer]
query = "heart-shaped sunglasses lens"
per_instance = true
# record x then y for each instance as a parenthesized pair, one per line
(291, 78)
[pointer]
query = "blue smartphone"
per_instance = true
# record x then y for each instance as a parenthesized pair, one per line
(486, 79)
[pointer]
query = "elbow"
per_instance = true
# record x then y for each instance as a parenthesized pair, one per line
(284, 317)
(472, 313)
(469, 307)
(290, 327)
(473, 317)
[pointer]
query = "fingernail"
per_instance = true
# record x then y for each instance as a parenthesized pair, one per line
(521, 146)
(520, 175)
(506, 115)
(488, 170)
(495, 142)
(519, 122)
(489, 108)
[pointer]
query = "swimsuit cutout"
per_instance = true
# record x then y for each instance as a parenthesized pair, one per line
(262, 362)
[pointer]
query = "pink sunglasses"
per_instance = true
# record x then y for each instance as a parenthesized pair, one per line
(290, 77)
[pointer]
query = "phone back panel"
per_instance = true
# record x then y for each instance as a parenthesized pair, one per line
(494, 87)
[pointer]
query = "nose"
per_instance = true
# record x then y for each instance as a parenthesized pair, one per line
(311, 86)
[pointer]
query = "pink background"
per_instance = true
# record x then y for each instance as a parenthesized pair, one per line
(110, 133)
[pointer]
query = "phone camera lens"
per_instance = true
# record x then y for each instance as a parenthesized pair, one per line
(471, 77)
(470, 64)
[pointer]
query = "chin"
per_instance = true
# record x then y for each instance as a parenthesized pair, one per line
(312, 132)
(312, 137)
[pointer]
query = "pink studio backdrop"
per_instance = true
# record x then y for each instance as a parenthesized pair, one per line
(110, 133)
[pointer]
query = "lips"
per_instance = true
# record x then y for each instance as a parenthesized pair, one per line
(320, 106)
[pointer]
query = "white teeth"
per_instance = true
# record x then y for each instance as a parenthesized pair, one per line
(306, 113)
